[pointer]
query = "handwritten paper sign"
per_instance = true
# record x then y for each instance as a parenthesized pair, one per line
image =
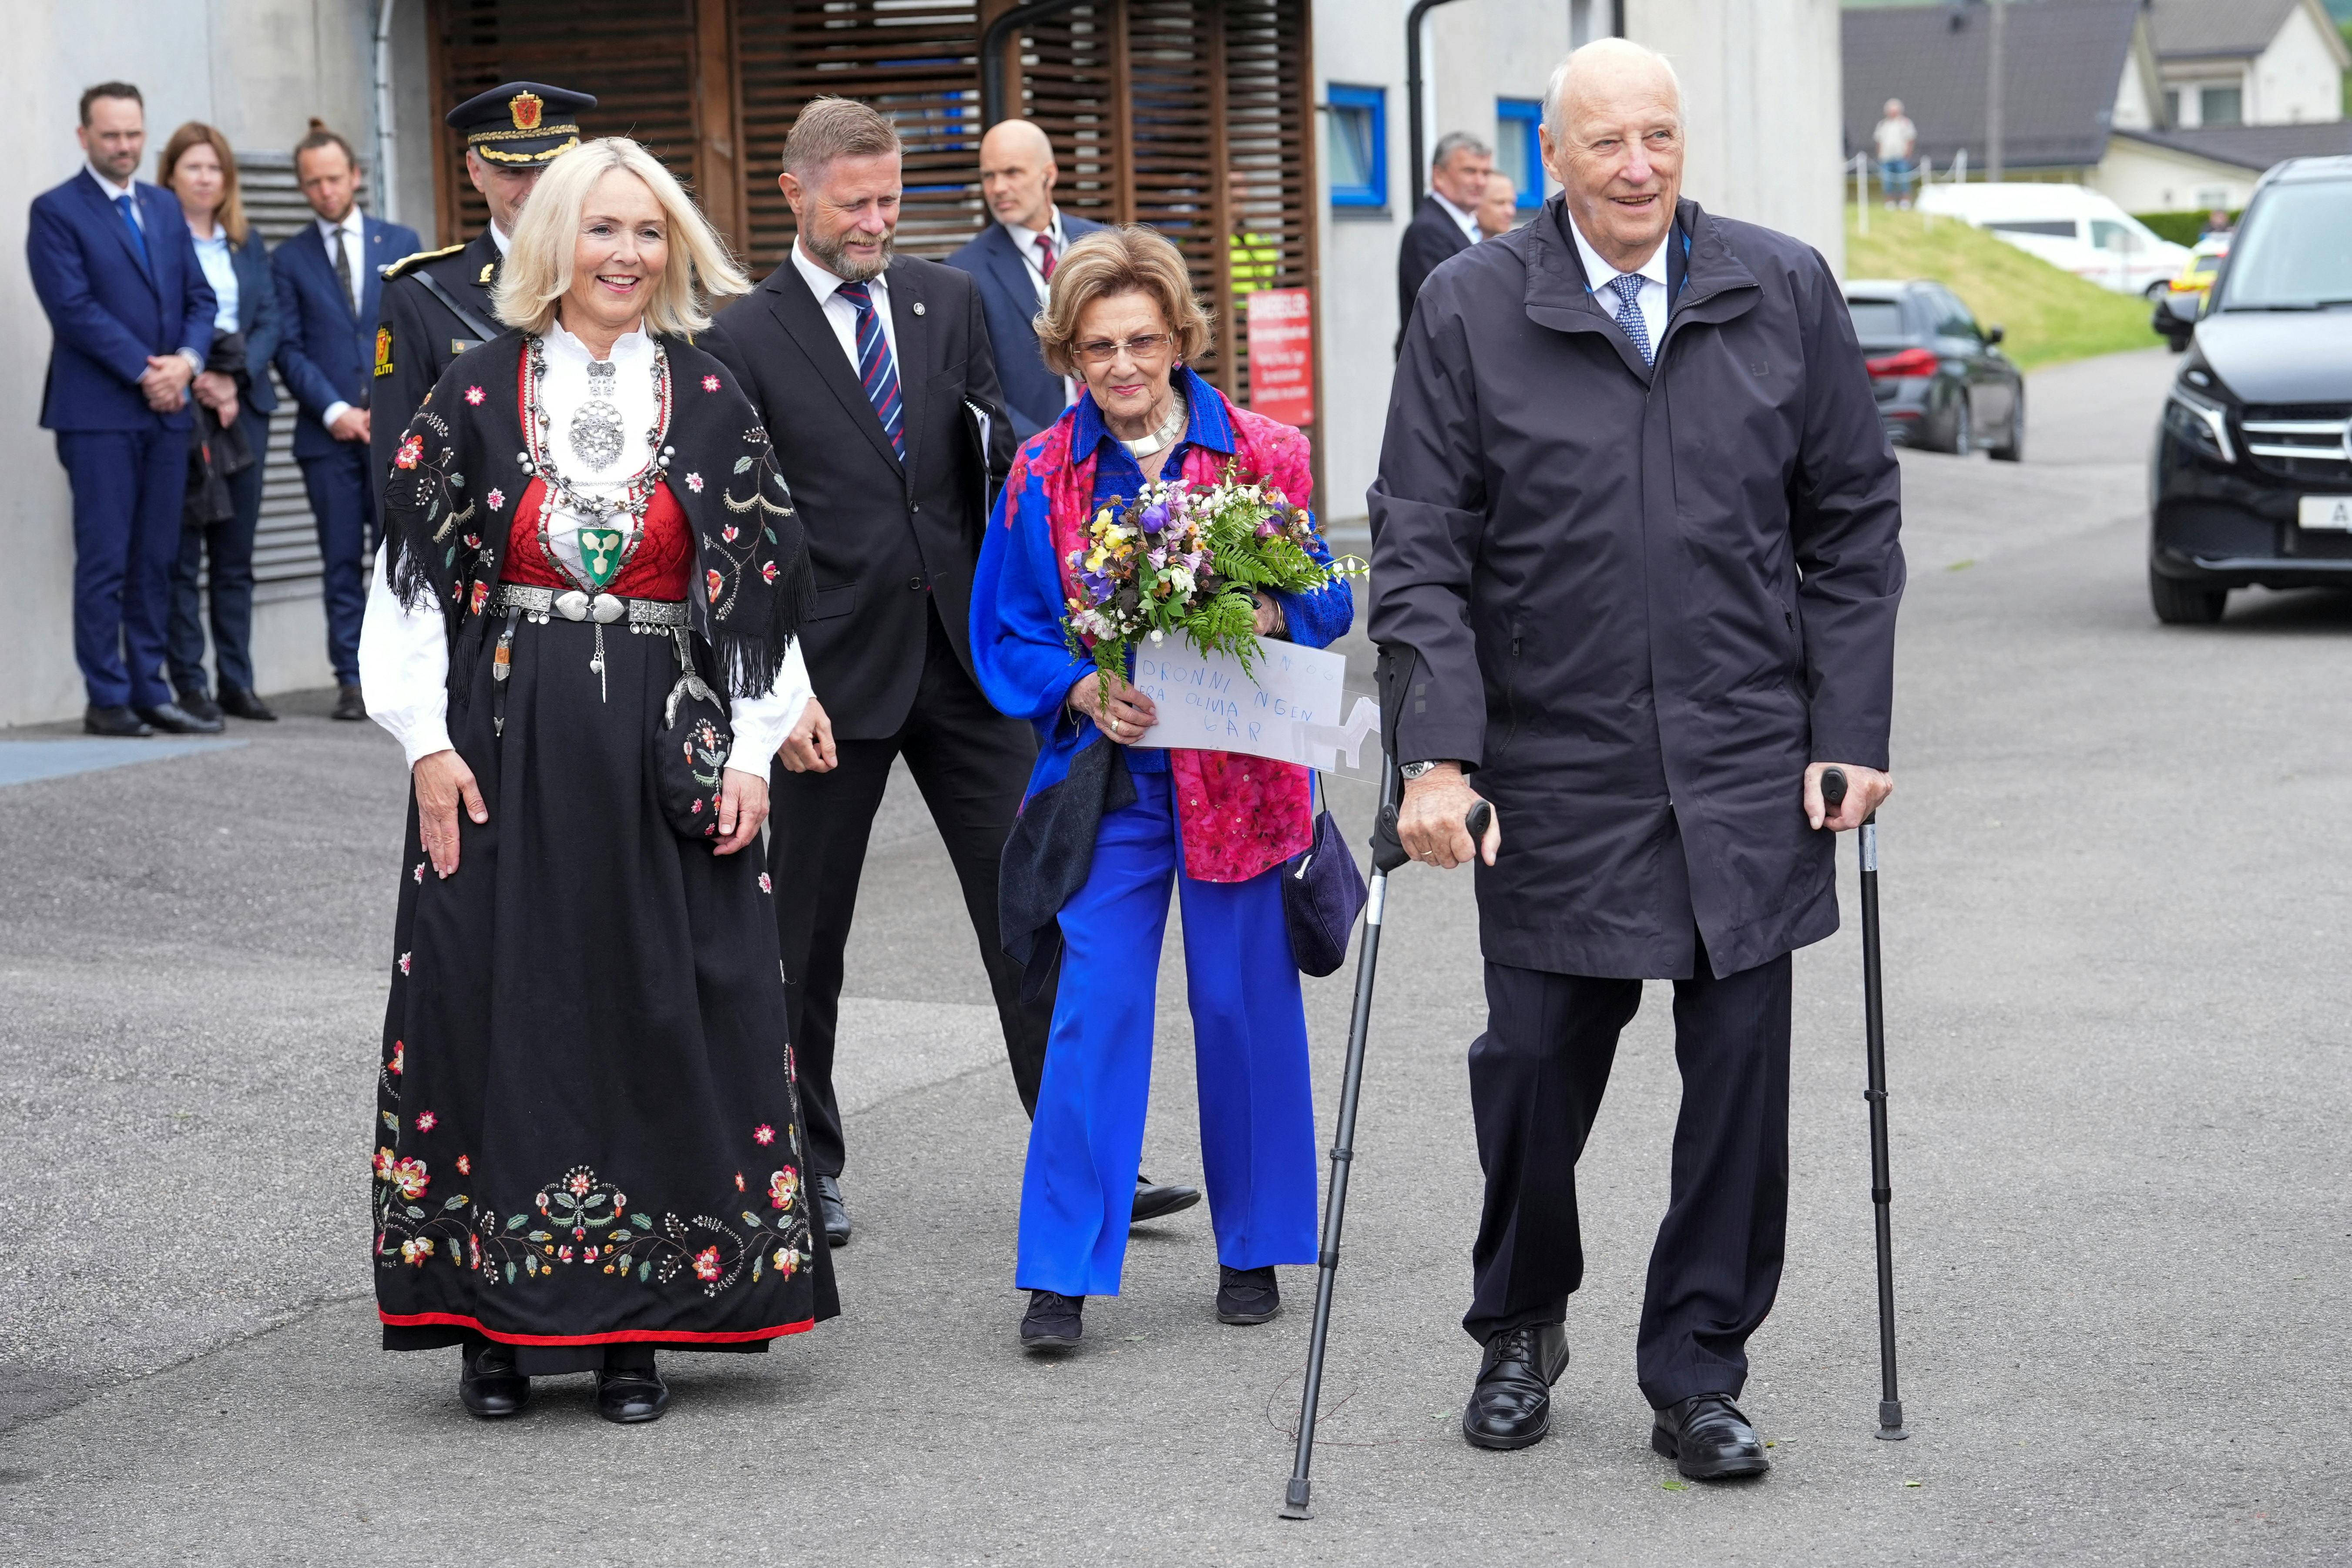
(1290, 712)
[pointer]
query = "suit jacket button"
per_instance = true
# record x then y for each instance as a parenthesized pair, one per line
(915, 506)
(918, 306)
(915, 584)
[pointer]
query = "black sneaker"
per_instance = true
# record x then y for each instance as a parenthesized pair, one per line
(1247, 1295)
(1052, 1322)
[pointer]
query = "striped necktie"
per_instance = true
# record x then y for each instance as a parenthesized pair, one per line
(877, 372)
(1045, 244)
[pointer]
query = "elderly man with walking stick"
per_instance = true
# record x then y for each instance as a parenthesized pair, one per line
(1635, 571)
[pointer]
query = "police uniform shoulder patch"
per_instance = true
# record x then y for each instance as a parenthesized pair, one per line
(384, 350)
(410, 263)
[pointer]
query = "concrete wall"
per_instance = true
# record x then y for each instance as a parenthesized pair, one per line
(1761, 90)
(257, 69)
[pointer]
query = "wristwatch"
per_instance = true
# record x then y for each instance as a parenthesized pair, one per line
(1414, 770)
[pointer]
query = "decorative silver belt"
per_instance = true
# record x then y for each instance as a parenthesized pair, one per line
(645, 616)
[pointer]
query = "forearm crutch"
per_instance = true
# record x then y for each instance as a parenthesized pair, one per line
(1388, 854)
(1882, 1188)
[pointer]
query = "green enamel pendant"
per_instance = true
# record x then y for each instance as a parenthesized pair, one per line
(600, 556)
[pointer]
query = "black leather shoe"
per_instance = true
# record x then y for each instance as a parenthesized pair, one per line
(1708, 1439)
(1511, 1405)
(117, 722)
(173, 719)
(634, 1394)
(489, 1384)
(1153, 1202)
(350, 704)
(832, 1210)
(1247, 1295)
(193, 700)
(1053, 1321)
(238, 703)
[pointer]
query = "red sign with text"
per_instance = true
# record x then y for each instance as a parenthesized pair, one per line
(1282, 355)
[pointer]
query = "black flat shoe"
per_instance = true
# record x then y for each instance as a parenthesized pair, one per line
(634, 1394)
(1247, 1295)
(174, 720)
(1708, 1439)
(1155, 1202)
(194, 701)
(238, 703)
(349, 705)
(1511, 1405)
(487, 1383)
(832, 1210)
(1052, 1322)
(120, 722)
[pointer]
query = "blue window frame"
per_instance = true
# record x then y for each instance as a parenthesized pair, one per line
(1518, 153)
(1356, 135)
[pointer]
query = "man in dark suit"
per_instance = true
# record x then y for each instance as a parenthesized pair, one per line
(436, 303)
(132, 319)
(1013, 261)
(1446, 222)
(874, 376)
(329, 291)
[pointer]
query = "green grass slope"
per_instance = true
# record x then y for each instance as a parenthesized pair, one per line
(2050, 314)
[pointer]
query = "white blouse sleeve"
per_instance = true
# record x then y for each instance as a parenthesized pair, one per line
(405, 666)
(762, 723)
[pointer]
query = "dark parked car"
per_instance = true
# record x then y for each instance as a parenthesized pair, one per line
(1942, 381)
(2251, 480)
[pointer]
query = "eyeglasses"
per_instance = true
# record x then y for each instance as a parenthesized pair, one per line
(1103, 351)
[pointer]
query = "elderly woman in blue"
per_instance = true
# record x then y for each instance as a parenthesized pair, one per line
(1105, 830)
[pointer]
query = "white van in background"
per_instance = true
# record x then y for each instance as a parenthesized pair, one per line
(2080, 230)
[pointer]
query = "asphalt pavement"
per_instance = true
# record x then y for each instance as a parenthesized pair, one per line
(2114, 888)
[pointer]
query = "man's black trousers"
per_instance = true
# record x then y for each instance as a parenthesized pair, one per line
(1535, 1081)
(971, 763)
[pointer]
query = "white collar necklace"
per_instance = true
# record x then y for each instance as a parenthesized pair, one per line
(1162, 439)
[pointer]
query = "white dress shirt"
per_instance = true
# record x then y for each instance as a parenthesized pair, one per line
(1465, 218)
(404, 652)
(220, 271)
(352, 233)
(1651, 301)
(840, 314)
(1025, 240)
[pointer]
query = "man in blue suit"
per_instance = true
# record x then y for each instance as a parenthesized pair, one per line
(328, 289)
(1013, 261)
(132, 319)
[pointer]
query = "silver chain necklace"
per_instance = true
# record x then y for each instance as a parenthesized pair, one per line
(597, 427)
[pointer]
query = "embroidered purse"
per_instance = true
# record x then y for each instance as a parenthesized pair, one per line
(690, 750)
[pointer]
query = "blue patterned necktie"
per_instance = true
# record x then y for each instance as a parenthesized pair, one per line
(138, 235)
(877, 372)
(1628, 286)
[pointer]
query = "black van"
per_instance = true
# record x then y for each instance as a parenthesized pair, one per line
(2251, 479)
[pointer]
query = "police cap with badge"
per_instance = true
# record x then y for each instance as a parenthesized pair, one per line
(522, 124)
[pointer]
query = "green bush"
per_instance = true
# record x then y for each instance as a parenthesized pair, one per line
(2181, 228)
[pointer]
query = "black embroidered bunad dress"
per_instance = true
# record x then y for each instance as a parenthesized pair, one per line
(588, 1140)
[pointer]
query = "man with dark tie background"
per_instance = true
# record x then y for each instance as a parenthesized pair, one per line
(874, 374)
(132, 319)
(1013, 261)
(329, 286)
(1446, 222)
(436, 303)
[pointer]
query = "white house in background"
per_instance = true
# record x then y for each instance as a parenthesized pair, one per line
(2246, 62)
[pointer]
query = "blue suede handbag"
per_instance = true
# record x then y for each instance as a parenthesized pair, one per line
(1322, 894)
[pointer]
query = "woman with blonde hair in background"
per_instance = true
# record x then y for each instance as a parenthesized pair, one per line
(588, 1140)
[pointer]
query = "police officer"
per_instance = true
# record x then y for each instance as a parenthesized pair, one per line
(436, 303)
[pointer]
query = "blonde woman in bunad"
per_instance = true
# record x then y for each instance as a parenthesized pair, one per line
(587, 1146)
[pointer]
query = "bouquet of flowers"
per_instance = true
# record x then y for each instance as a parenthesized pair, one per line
(1178, 558)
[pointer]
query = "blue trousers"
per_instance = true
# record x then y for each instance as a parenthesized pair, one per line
(230, 545)
(342, 503)
(127, 489)
(1249, 1053)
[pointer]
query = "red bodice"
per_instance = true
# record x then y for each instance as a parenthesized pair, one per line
(657, 569)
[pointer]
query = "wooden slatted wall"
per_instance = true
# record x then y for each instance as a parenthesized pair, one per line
(1191, 115)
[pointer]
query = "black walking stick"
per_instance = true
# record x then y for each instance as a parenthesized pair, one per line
(1388, 854)
(1881, 1190)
